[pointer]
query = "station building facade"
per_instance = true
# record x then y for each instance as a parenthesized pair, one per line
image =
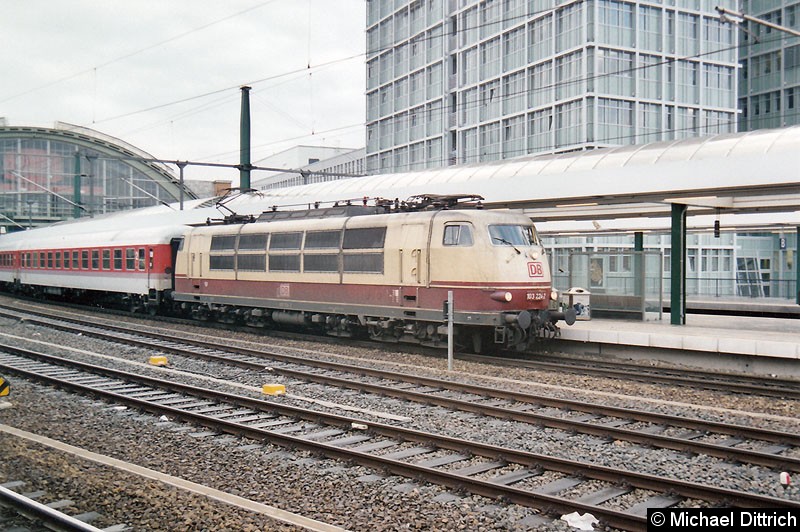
(769, 77)
(52, 174)
(462, 81)
(750, 264)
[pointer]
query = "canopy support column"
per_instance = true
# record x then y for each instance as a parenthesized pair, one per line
(76, 210)
(638, 263)
(677, 299)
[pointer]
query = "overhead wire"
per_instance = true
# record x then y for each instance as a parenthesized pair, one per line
(373, 52)
(466, 106)
(133, 53)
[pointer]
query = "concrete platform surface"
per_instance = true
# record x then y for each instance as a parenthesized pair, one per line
(760, 337)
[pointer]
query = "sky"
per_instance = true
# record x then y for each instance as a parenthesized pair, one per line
(165, 76)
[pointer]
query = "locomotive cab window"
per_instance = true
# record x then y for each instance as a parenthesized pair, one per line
(457, 235)
(513, 235)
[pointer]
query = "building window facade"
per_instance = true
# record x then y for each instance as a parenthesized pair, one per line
(548, 71)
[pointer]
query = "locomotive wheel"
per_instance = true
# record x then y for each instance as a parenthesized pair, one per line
(375, 332)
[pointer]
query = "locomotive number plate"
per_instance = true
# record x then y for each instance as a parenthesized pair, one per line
(536, 296)
(535, 269)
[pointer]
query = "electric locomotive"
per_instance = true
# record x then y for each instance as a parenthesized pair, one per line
(378, 271)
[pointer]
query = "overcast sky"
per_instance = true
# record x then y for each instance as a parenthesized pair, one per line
(164, 75)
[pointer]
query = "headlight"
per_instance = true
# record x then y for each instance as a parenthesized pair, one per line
(503, 297)
(554, 295)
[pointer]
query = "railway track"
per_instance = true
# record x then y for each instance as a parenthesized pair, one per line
(49, 515)
(516, 476)
(769, 386)
(694, 378)
(732, 442)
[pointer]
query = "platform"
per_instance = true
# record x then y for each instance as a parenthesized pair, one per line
(747, 344)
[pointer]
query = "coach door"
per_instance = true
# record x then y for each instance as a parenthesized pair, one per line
(413, 255)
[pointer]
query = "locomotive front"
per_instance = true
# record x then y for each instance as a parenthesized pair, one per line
(499, 269)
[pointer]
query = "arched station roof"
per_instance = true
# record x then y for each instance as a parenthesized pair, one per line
(38, 167)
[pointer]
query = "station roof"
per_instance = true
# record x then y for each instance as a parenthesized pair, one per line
(751, 177)
(752, 172)
(105, 145)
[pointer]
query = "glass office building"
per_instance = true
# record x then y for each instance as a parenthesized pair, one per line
(769, 78)
(462, 81)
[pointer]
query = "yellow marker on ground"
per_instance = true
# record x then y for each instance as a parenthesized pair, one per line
(159, 360)
(274, 389)
(5, 389)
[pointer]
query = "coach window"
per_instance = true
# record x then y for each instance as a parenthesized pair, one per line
(322, 262)
(323, 239)
(75, 261)
(364, 238)
(223, 242)
(255, 242)
(252, 253)
(222, 249)
(50, 259)
(457, 235)
(283, 242)
(221, 262)
(367, 238)
(95, 259)
(58, 260)
(141, 259)
(106, 259)
(84, 260)
(117, 259)
(130, 259)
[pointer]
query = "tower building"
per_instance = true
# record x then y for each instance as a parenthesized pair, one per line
(462, 81)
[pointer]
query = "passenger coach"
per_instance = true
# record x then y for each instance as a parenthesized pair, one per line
(131, 266)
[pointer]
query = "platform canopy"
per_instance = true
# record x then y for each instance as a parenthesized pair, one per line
(752, 172)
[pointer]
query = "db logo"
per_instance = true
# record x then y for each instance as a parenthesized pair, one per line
(535, 269)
